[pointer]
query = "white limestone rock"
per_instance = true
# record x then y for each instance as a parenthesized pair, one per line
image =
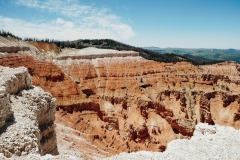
(27, 115)
(208, 142)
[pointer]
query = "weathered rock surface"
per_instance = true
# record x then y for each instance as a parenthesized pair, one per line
(29, 128)
(71, 146)
(137, 104)
(5, 109)
(49, 50)
(126, 104)
(11, 45)
(48, 76)
(46, 48)
(209, 142)
(92, 53)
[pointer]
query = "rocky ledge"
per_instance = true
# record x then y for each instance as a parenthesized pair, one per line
(27, 115)
(92, 53)
(208, 142)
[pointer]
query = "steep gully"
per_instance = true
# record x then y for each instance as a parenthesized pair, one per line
(129, 103)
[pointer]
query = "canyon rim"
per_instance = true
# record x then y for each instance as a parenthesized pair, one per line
(110, 101)
(114, 80)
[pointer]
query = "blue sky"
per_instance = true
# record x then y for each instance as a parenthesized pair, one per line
(161, 23)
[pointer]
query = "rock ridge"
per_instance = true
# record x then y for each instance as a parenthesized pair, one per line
(29, 124)
(93, 53)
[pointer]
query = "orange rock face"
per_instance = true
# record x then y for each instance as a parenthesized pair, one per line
(125, 104)
(139, 104)
(45, 47)
(48, 76)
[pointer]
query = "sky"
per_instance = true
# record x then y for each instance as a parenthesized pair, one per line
(142, 23)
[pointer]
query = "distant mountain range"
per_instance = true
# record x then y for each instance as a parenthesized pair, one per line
(202, 53)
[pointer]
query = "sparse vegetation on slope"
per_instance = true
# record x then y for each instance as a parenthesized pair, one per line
(8, 34)
(112, 44)
(148, 54)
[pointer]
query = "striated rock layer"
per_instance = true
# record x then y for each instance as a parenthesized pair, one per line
(48, 76)
(46, 48)
(138, 104)
(92, 53)
(28, 126)
(126, 104)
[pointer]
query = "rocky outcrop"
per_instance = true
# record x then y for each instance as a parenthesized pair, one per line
(45, 48)
(48, 76)
(5, 108)
(92, 53)
(28, 126)
(49, 50)
(208, 142)
(20, 80)
(9, 45)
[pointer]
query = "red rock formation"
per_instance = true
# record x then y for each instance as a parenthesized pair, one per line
(130, 104)
(45, 47)
(145, 104)
(48, 76)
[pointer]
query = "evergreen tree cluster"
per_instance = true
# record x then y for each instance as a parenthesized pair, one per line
(39, 40)
(8, 34)
(60, 44)
(68, 44)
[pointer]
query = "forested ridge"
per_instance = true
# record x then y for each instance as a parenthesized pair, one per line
(112, 44)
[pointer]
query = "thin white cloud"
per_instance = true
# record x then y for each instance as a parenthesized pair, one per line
(63, 30)
(75, 21)
(70, 8)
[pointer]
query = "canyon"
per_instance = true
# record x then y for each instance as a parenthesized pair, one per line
(120, 102)
(143, 105)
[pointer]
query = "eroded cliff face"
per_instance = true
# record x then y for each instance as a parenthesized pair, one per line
(125, 104)
(28, 124)
(46, 48)
(48, 76)
(11, 45)
(137, 104)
